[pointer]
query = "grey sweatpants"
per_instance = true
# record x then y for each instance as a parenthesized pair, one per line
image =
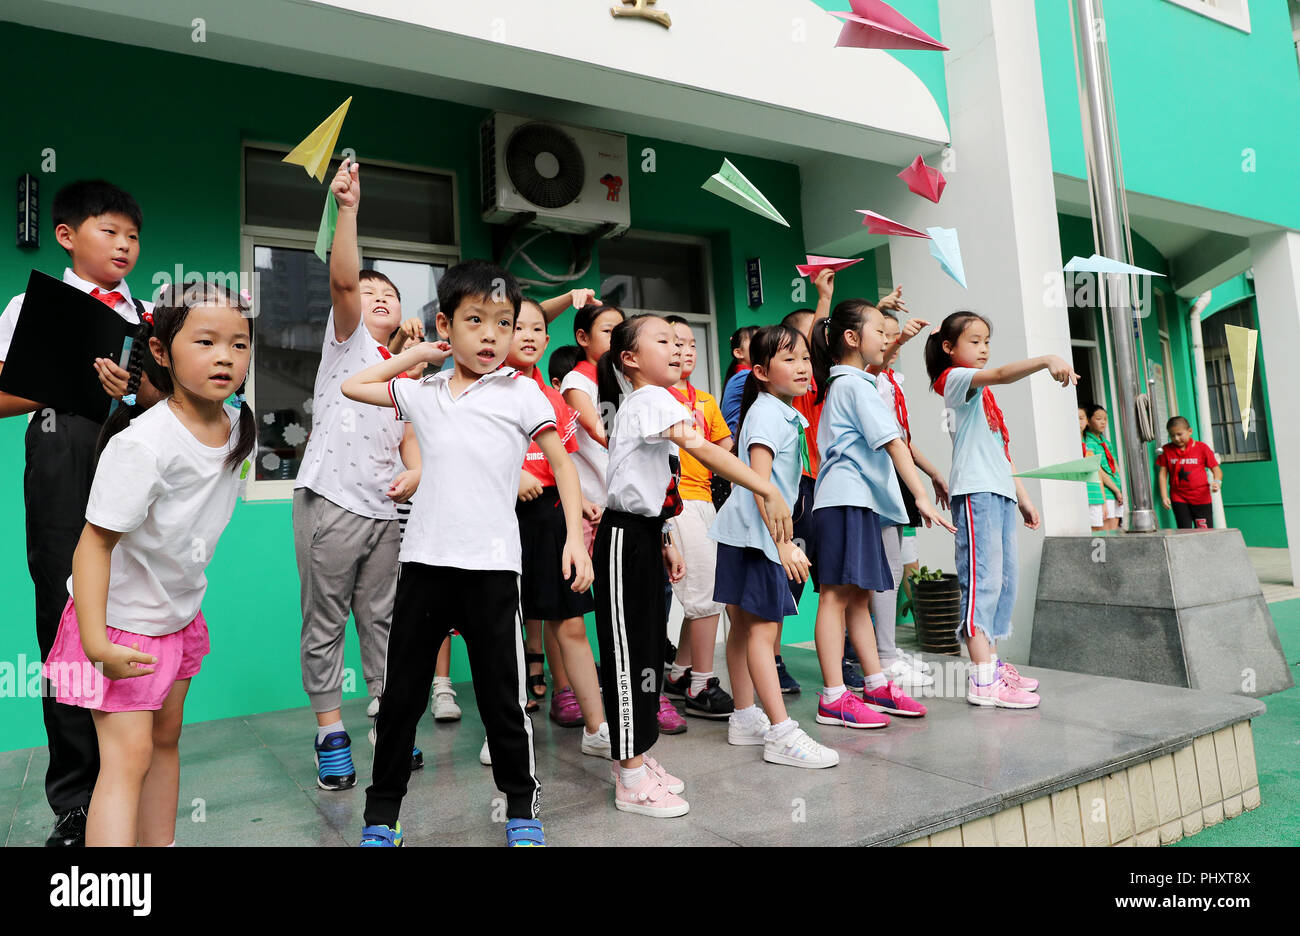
(345, 562)
(884, 611)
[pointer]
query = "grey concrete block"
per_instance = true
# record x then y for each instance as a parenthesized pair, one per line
(1233, 647)
(1070, 571)
(1209, 567)
(1141, 643)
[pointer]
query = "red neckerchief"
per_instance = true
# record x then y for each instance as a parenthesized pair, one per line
(1110, 459)
(991, 412)
(588, 370)
(537, 375)
(900, 405)
(384, 352)
(688, 399)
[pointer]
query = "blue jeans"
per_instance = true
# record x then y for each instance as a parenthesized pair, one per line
(986, 562)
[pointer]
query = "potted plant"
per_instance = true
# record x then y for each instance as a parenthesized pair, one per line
(936, 606)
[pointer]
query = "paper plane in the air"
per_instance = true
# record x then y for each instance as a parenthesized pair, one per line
(879, 224)
(945, 249)
(313, 153)
(924, 180)
(730, 183)
(329, 220)
(1099, 264)
(816, 264)
(1081, 469)
(873, 24)
(1241, 353)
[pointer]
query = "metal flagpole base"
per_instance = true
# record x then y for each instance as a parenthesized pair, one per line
(1142, 521)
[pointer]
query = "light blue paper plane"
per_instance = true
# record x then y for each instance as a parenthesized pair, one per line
(944, 248)
(1099, 264)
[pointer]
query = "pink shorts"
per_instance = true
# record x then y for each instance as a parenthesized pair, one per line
(77, 681)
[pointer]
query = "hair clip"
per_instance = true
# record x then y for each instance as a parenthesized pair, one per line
(128, 399)
(239, 398)
(147, 316)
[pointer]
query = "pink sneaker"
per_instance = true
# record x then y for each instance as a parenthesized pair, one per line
(650, 798)
(1013, 677)
(889, 698)
(670, 720)
(672, 783)
(850, 711)
(1000, 694)
(565, 710)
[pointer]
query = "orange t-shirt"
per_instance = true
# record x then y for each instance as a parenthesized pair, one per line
(813, 413)
(695, 481)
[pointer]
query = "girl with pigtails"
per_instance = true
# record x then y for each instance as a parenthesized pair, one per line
(132, 635)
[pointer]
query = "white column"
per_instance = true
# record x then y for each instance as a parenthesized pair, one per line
(1001, 199)
(1277, 295)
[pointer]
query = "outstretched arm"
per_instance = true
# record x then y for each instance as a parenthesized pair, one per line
(371, 385)
(345, 264)
(1058, 367)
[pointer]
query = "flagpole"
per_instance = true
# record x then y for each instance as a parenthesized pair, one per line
(1110, 229)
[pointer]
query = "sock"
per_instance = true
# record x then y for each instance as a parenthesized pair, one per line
(746, 716)
(324, 730)
(833, 693)
(875, 680)
(171, 844)
(632, 777)
(590, 734)
(677, 671)
(698, 682)
(781, 729)
(985, 673)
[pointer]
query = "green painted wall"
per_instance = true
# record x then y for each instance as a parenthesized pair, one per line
(1252, 490)
(1237, 94)
(180, 157)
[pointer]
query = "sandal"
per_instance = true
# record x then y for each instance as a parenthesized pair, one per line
(536, 682)
(526, 833)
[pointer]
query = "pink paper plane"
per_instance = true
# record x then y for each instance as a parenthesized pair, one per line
(924, 180)
(874, 24)
(816, 264)
(879, 224)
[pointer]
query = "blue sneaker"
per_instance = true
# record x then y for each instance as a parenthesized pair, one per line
(417, 758)
(334, 770)
(789, 686)
(382, 836)
(850, 653)
(525, 833)
(852, 678)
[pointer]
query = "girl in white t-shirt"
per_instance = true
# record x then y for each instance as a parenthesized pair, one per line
(592, 326)
(633, 544)
(132, 634)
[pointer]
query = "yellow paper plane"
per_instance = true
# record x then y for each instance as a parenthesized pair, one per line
(1241, 352)
(314, 153)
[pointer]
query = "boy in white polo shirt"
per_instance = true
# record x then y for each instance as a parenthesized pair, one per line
(345, 498)
(460, 560)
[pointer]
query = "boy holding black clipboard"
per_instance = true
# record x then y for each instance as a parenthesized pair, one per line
(98, 225)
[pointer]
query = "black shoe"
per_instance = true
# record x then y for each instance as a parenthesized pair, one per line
(789, 685)
(711, 702)
(676, 688)
(69, 829)
(670, 653)
(417, 758)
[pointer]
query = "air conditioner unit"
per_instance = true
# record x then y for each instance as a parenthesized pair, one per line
(575, 179)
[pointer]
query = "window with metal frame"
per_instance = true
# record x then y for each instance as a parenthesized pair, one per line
(406, 230)
(1231, 444)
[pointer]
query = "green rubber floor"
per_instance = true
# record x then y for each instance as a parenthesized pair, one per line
(1277, 757)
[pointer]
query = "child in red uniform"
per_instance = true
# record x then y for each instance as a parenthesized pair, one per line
(1188, 459)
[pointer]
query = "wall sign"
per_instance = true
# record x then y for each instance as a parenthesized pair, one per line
(29, 211)
(640, 9)
(754, 281)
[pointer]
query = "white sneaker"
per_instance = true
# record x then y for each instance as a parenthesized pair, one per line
(444, 705)
(597, 745)
(903, 672)
(747, 734)
(914, 660)
(796, 749)
(373, 708)
(485, 756)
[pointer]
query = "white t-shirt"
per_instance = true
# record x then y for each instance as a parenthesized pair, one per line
(471, 448)
(171, 497)
(639, 472)
(351, 457)
(592, 458)
(125, 307)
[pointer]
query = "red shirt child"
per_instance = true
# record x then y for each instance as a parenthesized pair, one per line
(1185, 461)
(566, 421)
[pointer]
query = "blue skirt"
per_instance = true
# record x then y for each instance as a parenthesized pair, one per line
(747, 578)
(849, 550)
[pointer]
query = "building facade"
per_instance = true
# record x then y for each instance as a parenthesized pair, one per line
(200, 105)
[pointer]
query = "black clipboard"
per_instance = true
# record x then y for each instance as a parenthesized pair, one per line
(60, 332)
